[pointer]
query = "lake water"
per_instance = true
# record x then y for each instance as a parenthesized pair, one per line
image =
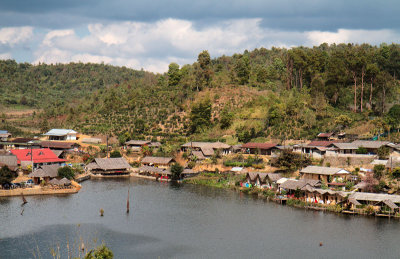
(185, 221)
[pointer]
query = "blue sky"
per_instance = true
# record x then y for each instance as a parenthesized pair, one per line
(152, 34)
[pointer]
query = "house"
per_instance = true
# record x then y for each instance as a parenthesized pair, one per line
(291, 185)
(377, 200)
(39, 157)
(207, 149)
(262, 179)
(345, 148)
(370, 145)
(61, 134)
(329, 175)
(56, 145)
(4, 135)
(109, 166)
(44, 173)
(271, 179)
(316, 148)
(325, 136)
(163, 162)
(9, 160)
(23, 143)
(137, 145)
(155, 172)
(258, 148)
(324, 196)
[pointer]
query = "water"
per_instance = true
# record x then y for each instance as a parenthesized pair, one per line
(185, 221)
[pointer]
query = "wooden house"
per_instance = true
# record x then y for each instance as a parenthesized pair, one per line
(326, 174)
(45, 173)
(109, 166)
(163, 162)
(258, 148)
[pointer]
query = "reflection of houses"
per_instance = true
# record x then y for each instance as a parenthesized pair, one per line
(258, 148)
(109, 166)
(164, 162)
(61, 134)
(137, 145)
(203, 150)
(45, 173)
(38, 157)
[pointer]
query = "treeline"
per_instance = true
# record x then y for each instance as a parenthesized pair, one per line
(264, 93)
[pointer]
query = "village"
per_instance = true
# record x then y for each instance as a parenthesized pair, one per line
(334, 172)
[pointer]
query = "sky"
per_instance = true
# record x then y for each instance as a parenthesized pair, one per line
(150, 34)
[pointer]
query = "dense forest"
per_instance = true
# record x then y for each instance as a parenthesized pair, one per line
(265, 93)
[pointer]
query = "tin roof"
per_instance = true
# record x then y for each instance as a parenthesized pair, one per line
(60, 132)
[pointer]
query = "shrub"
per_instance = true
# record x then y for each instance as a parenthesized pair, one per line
(66, 172)
(378, 171)
(115, 153)
(191, 164)
(176, 170)
(361, 150)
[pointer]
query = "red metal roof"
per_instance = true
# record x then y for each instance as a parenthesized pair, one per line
(259, 145)
(43, 155)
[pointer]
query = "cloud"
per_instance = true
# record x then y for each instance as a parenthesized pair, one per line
(353, 36)
(154, 45)
(5, 56)
(14, 35)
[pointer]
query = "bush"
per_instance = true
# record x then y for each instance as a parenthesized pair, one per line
(176, 170)
(115, 153)
(378, 171)
(362, 151)
(66, 172)
(101, 252)
(191, 164)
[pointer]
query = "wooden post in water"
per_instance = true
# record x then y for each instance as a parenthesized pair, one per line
(127, 203)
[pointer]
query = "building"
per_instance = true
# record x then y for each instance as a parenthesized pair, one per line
(370, 145)
(109, 166)
(4, 135)
(328, 175)
(137, 145)
(61, 134)
(23, 143)
(317, 149)
(258, 148)
(9, 160)
(39, 157)
(345, 148)
(207, 149)
(325, 136)
(162, 162)
(64, 146)
(44, 173)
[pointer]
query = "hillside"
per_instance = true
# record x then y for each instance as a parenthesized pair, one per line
(260, 94)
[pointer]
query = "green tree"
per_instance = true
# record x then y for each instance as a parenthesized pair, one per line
(362, 151)
(174, 75)
(203, 71)
(383, 152)
(6, 175)
(393, 116)
(226, 118)
(343, 121)
(242, 69)
(101, 252)
(378, 171)
(115, 153)
(200, 115)
(66, 172)
(176, 170)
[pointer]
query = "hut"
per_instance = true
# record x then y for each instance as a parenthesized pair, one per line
(326, 174)
(163, 162)
(109, 166)
(45, 173)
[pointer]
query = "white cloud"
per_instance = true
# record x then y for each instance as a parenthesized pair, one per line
(4, 56)
(14, 35)
(154, 45)
(352, 36)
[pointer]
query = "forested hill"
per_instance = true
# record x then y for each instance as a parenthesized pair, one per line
(264, 93)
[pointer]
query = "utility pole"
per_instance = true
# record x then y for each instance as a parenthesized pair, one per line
(32, 157)
(107, 145)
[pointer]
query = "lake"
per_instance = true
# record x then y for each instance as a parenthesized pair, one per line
(185, 221)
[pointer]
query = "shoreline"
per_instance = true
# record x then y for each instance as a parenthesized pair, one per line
(37, 191)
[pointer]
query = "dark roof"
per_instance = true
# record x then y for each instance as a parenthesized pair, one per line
(116, 163)
(157, 160)
(58, 144)
(22, 140)
(259, 145)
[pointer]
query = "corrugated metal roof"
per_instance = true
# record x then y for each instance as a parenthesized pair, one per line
(60, 132)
